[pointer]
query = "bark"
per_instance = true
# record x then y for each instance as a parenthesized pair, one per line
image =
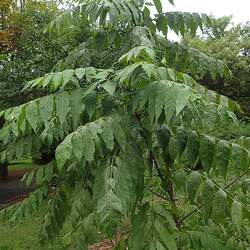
(4, 171)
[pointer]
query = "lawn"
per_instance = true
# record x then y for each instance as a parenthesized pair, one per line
(22, 164)
(24, 236)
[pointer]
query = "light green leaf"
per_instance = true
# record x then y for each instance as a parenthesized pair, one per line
(207, 148)
(182, 99)
(192, 186)
(39, 175)
(77, 144)
(21, 119)
(57, 80)
(208, 197)
(110, 87)
(30, 178)
(109, 210)
(46, 108)
(62, 106)
(236, 213)
(222, 156)
(219, 205)
(149, 69)
(164, 235)
(158, 5)
(63, 153)
(139, 229)
(181, 140)
(80, 73)
(47, 79)
(88, 145)
(239, 157)
(107, 134)
(76, 107)
(192, 149)
(67, 76)
(32, 114)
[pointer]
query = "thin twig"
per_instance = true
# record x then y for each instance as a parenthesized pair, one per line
(237, 179)
(190, 214)
(226, 187)
(119, 99)
(151, 153)
(159, 195)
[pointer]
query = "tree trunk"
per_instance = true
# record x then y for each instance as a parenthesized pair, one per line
(4, 171)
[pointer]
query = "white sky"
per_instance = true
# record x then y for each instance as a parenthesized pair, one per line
(240, 9)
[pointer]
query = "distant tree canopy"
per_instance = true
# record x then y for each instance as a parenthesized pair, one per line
(6, 31)
(11, 11)
(231, 44)
(25, 50)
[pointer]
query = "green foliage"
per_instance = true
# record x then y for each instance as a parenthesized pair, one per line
(229, 43)
(208, 196)
(181, 22)
(30, 53)
(193, 183)
(137, 142)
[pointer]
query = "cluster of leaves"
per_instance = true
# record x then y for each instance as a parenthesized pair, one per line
(231, 45)
(30, 52)
(135, 140)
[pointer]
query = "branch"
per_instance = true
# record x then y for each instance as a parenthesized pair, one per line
(159, 195)
(151, 153)
(226, 187)
(237, 179)
(119, 99)
(167, 182)
(190, 214)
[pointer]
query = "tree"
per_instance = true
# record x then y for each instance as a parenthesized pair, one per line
(137, 141)
(231, 45)
(218, 28)
(30, 52)
(26, 52)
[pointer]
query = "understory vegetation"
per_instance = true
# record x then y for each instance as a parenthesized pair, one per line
(130, 140)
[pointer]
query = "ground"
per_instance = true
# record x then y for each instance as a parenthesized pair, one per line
(24, 236)
(12, 189)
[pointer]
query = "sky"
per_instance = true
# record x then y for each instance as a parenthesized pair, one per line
(240, 9)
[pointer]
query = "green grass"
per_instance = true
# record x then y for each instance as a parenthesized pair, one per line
(22, 164)
(24, 236)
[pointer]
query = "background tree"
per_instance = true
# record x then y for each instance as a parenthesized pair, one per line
(26, 51)
(137, 145)
(231, 45)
